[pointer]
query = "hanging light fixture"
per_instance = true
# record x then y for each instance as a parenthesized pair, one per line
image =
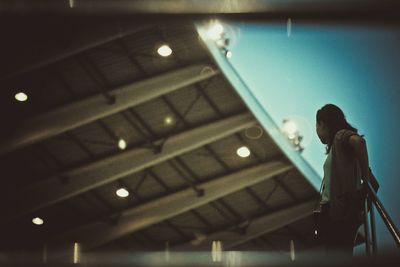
(290, 130)
(215, 30)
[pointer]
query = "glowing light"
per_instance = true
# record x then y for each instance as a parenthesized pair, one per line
(292, 251)
(37, 221)
(216, 251)
(77, 252)
(229, 54)
(168, 120)
(298, 131)
(316, 232)
(164, 51)
(122, 144)
(21, 96)
(122, 192)
(167, 255)
(215, 31)
(243, 152)
(290, 128)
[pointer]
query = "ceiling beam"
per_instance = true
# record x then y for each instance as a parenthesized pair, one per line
(254, 228)
(93, 108)
(85, 37)
(98, 173)
(156, 211)
(153, 9)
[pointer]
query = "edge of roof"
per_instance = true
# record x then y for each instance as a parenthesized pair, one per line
(258, 110)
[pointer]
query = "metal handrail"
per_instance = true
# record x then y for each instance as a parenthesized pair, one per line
(384, 214)
(373, 228)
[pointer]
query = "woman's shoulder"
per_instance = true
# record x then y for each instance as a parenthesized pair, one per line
(344, 134)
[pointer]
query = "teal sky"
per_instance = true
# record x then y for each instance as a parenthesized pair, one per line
(357, 67)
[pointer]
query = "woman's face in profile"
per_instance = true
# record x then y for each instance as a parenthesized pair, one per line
(322, 132)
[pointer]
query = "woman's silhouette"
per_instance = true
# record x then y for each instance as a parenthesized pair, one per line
(345, 168)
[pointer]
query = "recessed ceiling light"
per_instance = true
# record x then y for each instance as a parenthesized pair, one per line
(122, 144)
(37, 221)
(168, 120)
(21, 96)
(164, 51)
(122, 192)
(243, 151)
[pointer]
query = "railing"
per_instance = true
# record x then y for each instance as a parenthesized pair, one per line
(369, 228)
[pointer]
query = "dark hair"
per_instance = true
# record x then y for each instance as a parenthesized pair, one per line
(334, 118)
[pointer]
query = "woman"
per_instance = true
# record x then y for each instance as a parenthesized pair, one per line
(345, 168)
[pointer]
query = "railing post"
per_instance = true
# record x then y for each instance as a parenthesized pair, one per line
(366, 229)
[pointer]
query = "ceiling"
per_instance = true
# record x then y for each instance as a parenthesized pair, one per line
(91, 85)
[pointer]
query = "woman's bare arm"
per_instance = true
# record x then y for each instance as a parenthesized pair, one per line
(360, 148)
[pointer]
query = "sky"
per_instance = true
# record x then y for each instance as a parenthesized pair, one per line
(293, 69)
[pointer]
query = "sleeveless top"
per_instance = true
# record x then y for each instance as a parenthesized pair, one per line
(325, 194)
